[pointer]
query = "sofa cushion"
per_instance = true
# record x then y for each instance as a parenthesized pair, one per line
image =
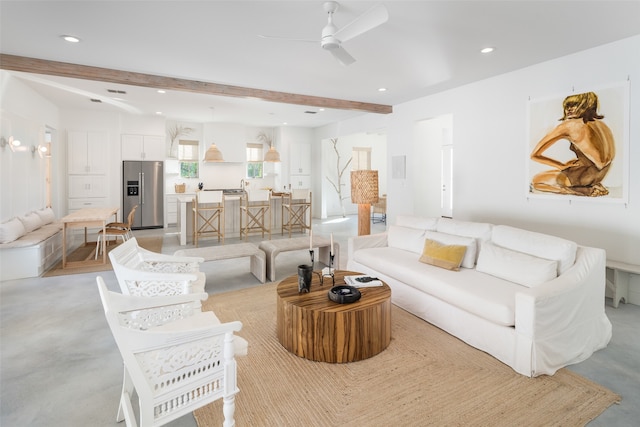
(481, 231)
(413, 221)
(486, 296)
(11, 230)
(536, 244)
(31, 221)
(517, 267)
(469, 260)
(442, 255)
(46, 215)
(408, 239)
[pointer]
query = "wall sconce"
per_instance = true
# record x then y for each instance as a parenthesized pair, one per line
(213, 154)
(364, 191)
(12, 143)
(44, 150)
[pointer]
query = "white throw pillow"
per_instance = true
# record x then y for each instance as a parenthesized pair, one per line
(469, 260)
(478, 230)
(11, 230)
(421, 222)
(536, 244)
(46, 215)
(408, 239)
(31, 221)
(517, 267)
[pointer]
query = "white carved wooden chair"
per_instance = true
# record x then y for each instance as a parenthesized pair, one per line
(176, 357)
(144, 273)
(295, 207)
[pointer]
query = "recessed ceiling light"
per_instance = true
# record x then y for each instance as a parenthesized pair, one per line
(161, 91)
(159, 113)
(382, 89)
(321, 109)
(70, 39)
(487, 50)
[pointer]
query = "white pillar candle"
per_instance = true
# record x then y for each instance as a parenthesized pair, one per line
(332, 244)
(310, 240)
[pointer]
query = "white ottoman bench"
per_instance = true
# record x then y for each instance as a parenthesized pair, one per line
(273, 247)
(239, 250)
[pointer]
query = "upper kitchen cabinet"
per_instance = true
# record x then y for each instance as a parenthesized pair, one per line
(300, 159)
(143, 147)
(87, 153)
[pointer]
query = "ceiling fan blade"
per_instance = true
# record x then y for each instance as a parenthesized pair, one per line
(375, 16)
(262, 36)
(342, 56)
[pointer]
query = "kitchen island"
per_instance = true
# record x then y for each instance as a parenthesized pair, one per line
(231, 215)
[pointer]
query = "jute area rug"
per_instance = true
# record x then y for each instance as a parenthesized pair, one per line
(83, 252)
(425, 377)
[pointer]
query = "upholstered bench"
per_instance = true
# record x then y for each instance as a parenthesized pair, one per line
(239, 250)
(273, 248)
(29, 245)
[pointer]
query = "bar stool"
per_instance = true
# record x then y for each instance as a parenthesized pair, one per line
(255, 213)
(208, 215)
(296, 204)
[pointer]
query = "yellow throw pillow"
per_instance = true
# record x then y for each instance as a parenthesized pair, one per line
(445, 256)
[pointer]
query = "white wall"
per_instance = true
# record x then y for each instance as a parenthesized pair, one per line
(378, 144)
(24, 115)
(489, 139)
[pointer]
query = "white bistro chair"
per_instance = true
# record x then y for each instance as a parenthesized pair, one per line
(177, 358)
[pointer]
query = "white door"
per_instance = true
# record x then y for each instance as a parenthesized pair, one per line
(446, 201)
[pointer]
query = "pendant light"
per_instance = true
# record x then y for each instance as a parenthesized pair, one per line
(272, 155)
(213, 154)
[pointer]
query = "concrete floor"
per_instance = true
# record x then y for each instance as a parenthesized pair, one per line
(59, 365)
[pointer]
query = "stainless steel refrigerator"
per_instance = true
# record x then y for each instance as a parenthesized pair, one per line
(143, 186)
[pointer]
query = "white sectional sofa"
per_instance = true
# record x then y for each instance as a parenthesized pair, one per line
(533, 301)
(29, 244)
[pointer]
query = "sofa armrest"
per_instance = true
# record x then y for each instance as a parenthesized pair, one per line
(566, 315)
(378, 240)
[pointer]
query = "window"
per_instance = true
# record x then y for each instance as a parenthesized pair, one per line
(361, 158)
(254, 160)
(188, 157)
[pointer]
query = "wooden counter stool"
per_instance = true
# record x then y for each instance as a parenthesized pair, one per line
(255, 213)
(296, 205)
(208, 215)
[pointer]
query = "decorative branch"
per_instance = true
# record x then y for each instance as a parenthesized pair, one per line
(338, 186)
(176, 131)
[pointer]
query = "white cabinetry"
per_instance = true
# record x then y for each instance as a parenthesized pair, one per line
(87, 152)
(300, 181)
(143, 147)
(171, 208)
(88, 157)
(300, 166)
(300, 158)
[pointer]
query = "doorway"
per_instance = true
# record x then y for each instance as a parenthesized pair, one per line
(433, 161)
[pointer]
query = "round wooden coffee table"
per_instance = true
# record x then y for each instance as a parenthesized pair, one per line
(312, 326)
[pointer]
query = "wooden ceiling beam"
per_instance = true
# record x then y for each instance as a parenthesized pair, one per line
(65, 69)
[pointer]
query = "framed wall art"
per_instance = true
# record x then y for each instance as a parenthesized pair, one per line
(578, 145)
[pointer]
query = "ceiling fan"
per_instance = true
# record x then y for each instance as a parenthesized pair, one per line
(333, 37)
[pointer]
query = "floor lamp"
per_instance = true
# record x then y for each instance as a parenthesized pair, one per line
(364, 191)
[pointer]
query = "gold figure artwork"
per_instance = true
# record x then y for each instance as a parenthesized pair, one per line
(591, 141)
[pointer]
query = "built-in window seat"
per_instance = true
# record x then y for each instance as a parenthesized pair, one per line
(29, 245)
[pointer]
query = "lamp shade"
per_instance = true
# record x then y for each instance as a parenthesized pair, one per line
(364, 186)
(213, 154)
(272, 155)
